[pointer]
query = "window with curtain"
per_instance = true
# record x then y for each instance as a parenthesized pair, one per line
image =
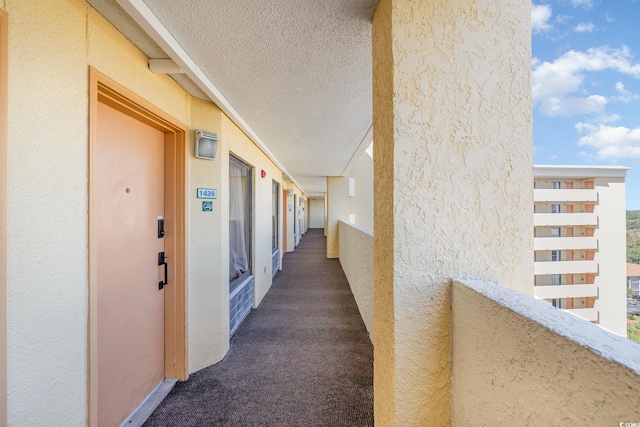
(239, 220)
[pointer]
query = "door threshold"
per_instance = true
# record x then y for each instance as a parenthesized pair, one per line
(146, 408)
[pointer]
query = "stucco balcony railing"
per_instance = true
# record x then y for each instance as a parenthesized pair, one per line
(564, 195)
(515, 359)
(564, 243)
(564, 219)
(564, 267)
(534, 364)
(565, 291)
(356, 258)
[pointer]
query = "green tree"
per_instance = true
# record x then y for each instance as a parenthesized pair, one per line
(633, 331)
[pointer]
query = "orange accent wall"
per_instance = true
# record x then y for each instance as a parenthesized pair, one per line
(569, 231)
(589, 207)
(589, 255)
(588, 185)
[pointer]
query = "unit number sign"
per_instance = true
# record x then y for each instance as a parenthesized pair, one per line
(207, 193)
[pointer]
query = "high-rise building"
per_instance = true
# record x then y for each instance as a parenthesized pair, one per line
(579, 241)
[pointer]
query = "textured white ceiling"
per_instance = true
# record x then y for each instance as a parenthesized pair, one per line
(297, 71)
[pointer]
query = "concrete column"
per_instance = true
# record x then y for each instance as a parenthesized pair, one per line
(337, 198)
(453, 182)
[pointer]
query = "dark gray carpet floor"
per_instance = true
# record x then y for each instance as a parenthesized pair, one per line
(302, 358)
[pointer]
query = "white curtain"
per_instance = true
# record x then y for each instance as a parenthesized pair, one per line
(238, 220)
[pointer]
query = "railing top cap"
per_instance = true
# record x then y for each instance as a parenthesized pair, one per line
(606, 344)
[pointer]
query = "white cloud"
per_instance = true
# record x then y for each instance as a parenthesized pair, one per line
(625, 95)
(553, 83)
(561, 19)
(571, 106)
(540, 15)
(587, 4)
(611, 142)
(584, 27)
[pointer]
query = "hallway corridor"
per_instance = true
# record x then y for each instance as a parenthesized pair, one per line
(302, 358)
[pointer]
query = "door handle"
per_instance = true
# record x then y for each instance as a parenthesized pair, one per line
(162, 260)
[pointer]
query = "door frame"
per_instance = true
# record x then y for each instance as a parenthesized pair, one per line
(104, 89)
(4, 56)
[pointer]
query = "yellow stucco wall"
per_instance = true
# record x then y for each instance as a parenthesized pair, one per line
(453, 187)
(51, 47)
(208, 250)
(338, 209)
(361, 203)
(290, 212)
(241, 147)
(356, 259)
(517, 361)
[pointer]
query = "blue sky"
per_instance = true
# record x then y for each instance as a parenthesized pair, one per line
(586, 85)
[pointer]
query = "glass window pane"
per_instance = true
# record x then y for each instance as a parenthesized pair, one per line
(239, 220)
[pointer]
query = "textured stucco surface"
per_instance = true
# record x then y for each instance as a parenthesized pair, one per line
(51, 47)
(208, 253)
(356, 259)
(361, 204)
(316, 213)
(47, 213)
(453, 182)
(337, 197)
(242, 147)
(247, 48)
(291, 214)
(518, 361)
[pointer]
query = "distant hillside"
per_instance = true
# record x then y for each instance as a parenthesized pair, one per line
(633, 237)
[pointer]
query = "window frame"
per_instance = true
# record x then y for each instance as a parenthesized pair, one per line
(233, 284)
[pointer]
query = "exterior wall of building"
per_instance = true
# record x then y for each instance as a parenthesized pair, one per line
(361, 203)
(338, 205)
(316, 207)
(244, 149)
(292, 213)
(51, 47)
(444, 171)
(208, 247)
(612, 255)
(590, 212)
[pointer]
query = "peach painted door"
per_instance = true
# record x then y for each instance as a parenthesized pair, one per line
(129, 176)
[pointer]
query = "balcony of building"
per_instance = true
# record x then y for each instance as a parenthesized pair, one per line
(564, 195)
(565, 267)
(564, 219)
(564, 243)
